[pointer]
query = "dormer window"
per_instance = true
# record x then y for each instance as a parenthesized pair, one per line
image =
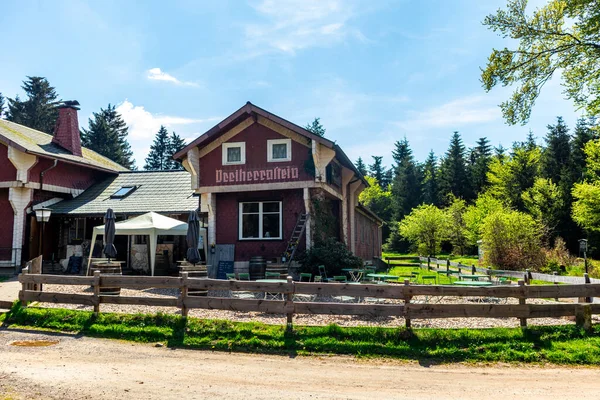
(234, 153)
(124, 191)
(279, 150)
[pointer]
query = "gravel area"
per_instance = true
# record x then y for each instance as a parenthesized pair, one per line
(305, 319)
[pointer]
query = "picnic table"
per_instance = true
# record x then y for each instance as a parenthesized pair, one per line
(472, 283)
(472, 277)
(356, 274)
(383, 277)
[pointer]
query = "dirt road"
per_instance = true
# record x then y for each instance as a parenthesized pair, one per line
(84, 368)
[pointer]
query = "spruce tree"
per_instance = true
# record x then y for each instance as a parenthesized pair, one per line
(376, 169)
(479, 165)
(159, 156)
(316, 127)
(556, 156)
(454, 178)
(39, 110)
(176, 143)
(107, 135)
(361, 167)
(406, 184)
(583, 133)
(1, 105)
(430, 180)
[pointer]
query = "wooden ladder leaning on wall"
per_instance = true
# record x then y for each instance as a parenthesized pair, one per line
(292, 246)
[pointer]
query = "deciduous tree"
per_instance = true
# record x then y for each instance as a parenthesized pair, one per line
(559, 37)
(425, 227)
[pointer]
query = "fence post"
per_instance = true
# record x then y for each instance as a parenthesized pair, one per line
(406, 302)
(23, 287)
(555, 283)
(96, 286)
(522, 302)
(583, 317)
(184, 294)
(472, 269)
(526, 277)
(289, 298)
(428, 263)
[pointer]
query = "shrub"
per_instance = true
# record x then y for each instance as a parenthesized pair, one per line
(334, 255)
(425, 227)
(512, 240)
(558, 258)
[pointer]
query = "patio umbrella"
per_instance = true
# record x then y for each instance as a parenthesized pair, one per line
(193, 233)
(109, 235)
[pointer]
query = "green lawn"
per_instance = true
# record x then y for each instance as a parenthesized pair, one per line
(559, 345)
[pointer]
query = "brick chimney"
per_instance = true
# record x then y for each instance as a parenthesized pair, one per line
(66, 131)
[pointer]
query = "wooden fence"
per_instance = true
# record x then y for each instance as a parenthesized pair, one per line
(443, 265)
(289, 305)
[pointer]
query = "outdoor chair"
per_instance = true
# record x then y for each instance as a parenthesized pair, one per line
(243, 276)
(369, 270)
(272, 275)
(317, 278)
(323, 273)
(340, 278)
(305, 277)
(230, 277)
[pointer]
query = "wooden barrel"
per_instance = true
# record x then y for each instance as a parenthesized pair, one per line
(240, 267)
(257, 268)
(108, 268)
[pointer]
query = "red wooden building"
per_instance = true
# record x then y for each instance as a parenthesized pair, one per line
(37, 170)
(257, 174)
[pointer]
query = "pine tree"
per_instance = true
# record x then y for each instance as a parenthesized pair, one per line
(430, 180)
(107, 135)
(556, 157)
(361, 167)
(176, 143)
(376, 169)
(454, 178)
(39, 110)
(316, 127)
(1, 105)
(406, 184)
(583, 133)
(479, 165)
(388, 177)
(159, 158)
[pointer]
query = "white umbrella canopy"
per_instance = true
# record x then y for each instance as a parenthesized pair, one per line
(150, 224)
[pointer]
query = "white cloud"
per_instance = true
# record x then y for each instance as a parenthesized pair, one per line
(297, 24)
(459, 112)
(156, 74)
(143, 126)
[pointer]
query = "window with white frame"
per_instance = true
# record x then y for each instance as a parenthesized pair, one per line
(279, 150)
(234, 153)
(260, 220)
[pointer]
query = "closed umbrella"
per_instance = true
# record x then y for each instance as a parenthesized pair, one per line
(193, 233)
(109, 235)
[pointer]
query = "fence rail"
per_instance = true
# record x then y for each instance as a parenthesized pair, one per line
(444, 264)
(32, 285)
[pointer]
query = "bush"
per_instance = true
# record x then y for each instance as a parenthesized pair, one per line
(425, 227)
(512, 240)
(558, 258)
(334, 255)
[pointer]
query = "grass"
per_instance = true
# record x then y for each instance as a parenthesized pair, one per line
(557, 344)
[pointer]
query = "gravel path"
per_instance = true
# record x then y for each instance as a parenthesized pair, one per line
(305, 319)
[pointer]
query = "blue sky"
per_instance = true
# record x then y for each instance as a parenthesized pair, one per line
(373, 71)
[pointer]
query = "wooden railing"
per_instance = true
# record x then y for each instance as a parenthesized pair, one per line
(32, 291)
(442, 265)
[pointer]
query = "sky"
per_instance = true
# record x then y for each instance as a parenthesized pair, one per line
(374, 72)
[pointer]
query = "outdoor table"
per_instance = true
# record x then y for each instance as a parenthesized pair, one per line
(355, 273)
(383, 277)
(429, 277)
(273, 296)
(472, 277)
(472, 283)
